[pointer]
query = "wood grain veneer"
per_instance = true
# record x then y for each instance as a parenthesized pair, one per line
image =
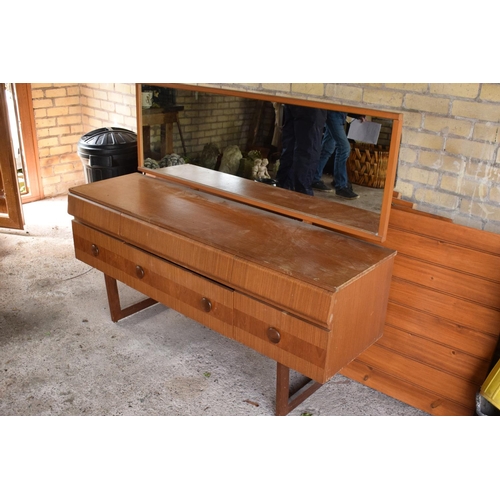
(166, 283)
(443, 316)
(307, 297)
(232, 243)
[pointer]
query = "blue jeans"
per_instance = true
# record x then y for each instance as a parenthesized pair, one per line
(335, 141)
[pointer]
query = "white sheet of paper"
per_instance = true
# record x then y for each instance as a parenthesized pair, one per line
(364, 131)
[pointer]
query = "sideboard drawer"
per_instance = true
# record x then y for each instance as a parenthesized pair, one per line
(94, 214)
(186, 252)
(290, 341)
(194, 296)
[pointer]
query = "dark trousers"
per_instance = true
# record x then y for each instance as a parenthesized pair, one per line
(301, 142)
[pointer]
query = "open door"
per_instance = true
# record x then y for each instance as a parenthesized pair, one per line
(11, 213)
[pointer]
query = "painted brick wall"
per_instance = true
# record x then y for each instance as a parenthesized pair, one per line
(63, 113)
(449, 161)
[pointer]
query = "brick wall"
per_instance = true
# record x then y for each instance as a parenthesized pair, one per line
(222, 120)
(63, 113)
(58, 121)
(108, 105)
(449, 162)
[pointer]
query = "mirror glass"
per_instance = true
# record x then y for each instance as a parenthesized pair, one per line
(227, 131)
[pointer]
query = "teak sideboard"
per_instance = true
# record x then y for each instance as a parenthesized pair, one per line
(309, 298)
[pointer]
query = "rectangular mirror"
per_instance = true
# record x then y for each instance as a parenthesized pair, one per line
(186, 132)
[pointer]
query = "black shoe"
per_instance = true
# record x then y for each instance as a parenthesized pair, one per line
(346, 192)
(321, 186)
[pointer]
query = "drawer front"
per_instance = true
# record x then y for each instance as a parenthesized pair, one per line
(307, 301)
(186, 252)
(94, 214)
(205, 301)
(280, 336)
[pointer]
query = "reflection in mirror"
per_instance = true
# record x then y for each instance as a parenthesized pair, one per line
(237, 135)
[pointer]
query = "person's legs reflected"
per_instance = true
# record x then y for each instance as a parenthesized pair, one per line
(309, 125)
(284, 175)
(336, 126)
(302, 132)
(342, 151)
(327, 149)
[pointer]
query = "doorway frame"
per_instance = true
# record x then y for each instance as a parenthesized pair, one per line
(27, 133)
(11, 214)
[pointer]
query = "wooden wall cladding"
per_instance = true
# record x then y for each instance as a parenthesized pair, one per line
(443, 318)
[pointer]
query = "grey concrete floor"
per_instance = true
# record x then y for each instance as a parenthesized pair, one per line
(60, 354)
(369, 198)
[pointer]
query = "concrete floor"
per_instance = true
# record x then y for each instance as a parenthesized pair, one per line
(60, 354)
(369, 198)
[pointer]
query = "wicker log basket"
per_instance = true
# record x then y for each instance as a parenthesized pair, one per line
(367, 165)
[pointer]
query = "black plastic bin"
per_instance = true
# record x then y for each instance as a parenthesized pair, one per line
(108, 152)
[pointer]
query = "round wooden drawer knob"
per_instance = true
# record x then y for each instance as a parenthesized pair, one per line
(139, 272)
(206, 305)
(273, 335)
(95, 250)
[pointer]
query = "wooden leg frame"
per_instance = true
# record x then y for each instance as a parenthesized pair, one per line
(286, 399)
(117, 313)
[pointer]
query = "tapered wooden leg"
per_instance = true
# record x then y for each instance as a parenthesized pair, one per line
(286, 400)
(117, 313)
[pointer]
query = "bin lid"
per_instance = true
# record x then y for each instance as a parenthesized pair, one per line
(108, 140)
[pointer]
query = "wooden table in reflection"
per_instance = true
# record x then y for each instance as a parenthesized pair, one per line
(165, 117)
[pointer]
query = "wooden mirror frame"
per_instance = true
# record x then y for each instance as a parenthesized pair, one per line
(397, 125)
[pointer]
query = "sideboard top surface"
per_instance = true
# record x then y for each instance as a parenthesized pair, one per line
(312, 254)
